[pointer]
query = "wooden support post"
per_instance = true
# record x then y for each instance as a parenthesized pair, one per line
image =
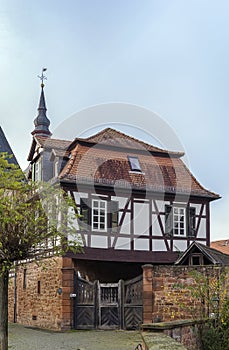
(121, 303)
(96, 305)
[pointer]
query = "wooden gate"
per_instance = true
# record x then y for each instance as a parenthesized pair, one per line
(133, 303)
(84, 304)
(108, 305)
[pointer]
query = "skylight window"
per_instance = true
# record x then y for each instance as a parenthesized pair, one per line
(134, 163)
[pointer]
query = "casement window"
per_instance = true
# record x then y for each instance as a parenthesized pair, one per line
(98, 215)
(180, 221)
(36, 171)
(134, 164)
(56, 168)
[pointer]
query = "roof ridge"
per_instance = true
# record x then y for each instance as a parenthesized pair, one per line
(155, 148)
(50, 138)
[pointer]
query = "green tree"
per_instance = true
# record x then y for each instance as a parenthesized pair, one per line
(35, 221)
(210, 292)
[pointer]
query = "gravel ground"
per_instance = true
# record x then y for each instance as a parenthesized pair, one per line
(25, 338)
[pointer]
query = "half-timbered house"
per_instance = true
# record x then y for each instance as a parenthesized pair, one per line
(136, 204)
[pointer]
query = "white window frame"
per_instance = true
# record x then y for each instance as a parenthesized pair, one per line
(38, 170)
(99, 215)
(33, 171)
(56, 167)
(179, 221)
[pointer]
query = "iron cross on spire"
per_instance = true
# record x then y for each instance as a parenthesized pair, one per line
(42, 77)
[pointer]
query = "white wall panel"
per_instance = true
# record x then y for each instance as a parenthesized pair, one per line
(159, 245)
(126, 223)
(202, 229)
(180, 246)
(141, 218)
(141, 244)
(98, 242)
(156, 230)
(123, 243)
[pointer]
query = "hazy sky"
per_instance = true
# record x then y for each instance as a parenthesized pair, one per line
(169, 56)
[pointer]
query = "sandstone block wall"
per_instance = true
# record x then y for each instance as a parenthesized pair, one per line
(42, 294)
(168, 291)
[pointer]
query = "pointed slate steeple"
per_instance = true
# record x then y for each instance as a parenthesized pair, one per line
(42, 122)
(5, 147)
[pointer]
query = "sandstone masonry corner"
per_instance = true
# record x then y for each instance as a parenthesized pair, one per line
(44, 292)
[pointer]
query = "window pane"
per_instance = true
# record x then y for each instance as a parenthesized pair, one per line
(134, 163)
(179, 223)
(99, 217)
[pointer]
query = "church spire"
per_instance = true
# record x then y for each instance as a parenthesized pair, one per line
(41, 122)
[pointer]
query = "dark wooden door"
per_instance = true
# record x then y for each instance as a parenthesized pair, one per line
(109, 305)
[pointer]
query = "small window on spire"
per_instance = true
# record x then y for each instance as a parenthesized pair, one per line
(134, 163)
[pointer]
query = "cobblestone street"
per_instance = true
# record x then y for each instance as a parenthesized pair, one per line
(24, 338)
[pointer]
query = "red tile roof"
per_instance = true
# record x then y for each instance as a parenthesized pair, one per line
(214, 256)
(114, 138)
(47, 143)
(103, 159)
(50, 143)
(221, 245)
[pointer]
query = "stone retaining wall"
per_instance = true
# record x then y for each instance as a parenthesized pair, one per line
(167, 291)
(158, 341)
(184, 332)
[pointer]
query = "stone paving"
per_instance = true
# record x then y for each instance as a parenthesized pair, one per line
(24, 338)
